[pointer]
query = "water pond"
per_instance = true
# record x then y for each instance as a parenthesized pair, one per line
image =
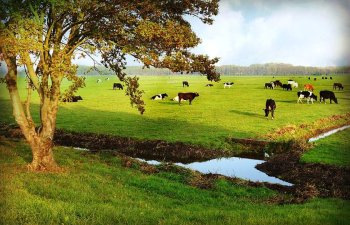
(231, 167)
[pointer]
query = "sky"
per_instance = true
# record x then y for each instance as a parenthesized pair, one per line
(299, 32)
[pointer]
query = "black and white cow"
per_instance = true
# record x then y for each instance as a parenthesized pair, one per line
(308, 95)
(328, 95)
(209, 85)
(117, 85)
(185, 83)
(228, 84)
(159, 96)
(98, 81)
(270, 106)
(287, 87)
(269, 85)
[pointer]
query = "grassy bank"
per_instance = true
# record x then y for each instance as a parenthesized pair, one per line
(332, 150)
(216, 114)
(98, 189)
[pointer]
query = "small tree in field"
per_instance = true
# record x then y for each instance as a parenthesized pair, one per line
(45, 35)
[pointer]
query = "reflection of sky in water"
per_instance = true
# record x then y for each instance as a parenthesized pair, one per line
(328, 133)
(231, 167)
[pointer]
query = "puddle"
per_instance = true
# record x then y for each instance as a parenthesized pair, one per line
(328, 133)
(231, 167)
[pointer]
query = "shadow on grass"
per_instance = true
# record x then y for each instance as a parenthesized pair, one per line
(287, 101)
(172, 129)
(168, 102)
(248, 113)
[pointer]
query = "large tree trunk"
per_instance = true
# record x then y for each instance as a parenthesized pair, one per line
(41, 140)
(43, 159)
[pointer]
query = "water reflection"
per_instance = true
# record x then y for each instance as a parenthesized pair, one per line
(326, 134)
(231, 167)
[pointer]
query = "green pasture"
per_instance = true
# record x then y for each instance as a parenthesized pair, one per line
(216, 114)
(97, 189)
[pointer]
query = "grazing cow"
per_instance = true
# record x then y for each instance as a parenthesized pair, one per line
(277, 83)
(309, 87)
(228, 84)
(159, 96)
(73, 99)
(187, 96)
(270, 107)
(269, 85)
(185, 83)
(287, 87)
(117, 85)
(209, 85)
(309, 78)
(308, 95)
(337, 85)
(331, 78)
(107, 78)
(76, 98)
(98, 81)
(328, 94)
(293, 83)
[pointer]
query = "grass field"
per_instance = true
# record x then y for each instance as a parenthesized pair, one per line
(216, 114)
(97, 189)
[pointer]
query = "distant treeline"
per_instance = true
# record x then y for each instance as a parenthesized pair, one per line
(255, 69)
(280, 69)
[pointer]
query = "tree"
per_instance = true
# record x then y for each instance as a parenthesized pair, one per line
(45, 35)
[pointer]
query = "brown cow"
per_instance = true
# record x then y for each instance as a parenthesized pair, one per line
(187, 96)
(309, 87)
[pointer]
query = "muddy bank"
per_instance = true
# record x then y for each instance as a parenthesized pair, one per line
(310, 179)
(146, 149)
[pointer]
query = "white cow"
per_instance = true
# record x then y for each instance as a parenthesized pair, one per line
(293, 83)
(176, 98)
(228, 84)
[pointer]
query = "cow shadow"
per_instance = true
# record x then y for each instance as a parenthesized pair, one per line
(168, 102)
(248, 113)
(287, 101)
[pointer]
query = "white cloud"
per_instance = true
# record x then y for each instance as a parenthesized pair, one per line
(301, 34)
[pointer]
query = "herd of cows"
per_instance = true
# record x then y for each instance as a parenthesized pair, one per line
(270, 105)
(307, 94)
